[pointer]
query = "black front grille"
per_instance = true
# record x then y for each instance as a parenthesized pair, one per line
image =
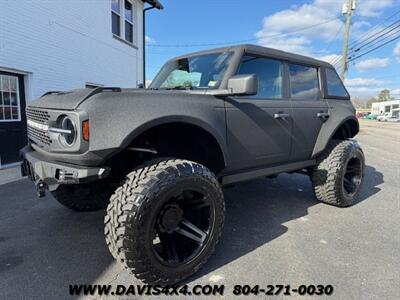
(37, 115)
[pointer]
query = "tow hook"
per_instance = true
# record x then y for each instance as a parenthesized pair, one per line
(41, 189)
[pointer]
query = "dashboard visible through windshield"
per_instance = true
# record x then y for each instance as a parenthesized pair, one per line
(194, 72)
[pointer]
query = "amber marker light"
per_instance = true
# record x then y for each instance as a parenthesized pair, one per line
(85, 130)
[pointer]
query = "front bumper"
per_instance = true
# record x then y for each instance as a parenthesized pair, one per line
(48, 174)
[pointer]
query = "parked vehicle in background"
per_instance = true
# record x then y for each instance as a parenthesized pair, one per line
(372, 117)
(157, 158)
(393, 119)
(365, 115)
(384, 117)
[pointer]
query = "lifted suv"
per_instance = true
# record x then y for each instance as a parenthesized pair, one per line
(158, 157)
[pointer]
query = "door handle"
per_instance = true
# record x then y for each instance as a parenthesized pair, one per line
(281, 115)
(323, 115)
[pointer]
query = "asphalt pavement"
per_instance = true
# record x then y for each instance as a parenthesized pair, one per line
(275, 233)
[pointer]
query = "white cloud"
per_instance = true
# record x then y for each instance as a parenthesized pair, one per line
(372, 63)
(395, 92)
(362, 82)
(396, 51)
(360, 86)
(149, 40)
(372, 8)
(330, 57)
(275, 29)
(364, 8)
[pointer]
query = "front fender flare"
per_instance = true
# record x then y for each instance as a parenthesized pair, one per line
(178, 119)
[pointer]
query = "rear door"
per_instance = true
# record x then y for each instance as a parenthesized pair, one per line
(12, 117)
(259, 127)
(309, 109)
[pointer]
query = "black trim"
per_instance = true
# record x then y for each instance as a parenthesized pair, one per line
(254, 173)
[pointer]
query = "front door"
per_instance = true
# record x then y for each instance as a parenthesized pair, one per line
(259, 127)
(12, 117)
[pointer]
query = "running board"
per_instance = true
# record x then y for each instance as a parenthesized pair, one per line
(247, 175)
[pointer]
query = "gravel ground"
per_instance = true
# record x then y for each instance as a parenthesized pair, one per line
(275, 233)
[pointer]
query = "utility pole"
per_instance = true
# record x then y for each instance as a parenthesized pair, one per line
(347, 11)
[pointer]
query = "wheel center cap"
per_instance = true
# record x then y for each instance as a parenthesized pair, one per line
(170, 217)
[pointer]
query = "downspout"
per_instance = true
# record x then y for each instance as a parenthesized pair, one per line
(144, 43)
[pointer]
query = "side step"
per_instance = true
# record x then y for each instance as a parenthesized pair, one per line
(247, 175)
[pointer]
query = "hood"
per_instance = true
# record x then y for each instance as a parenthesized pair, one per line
(70, 100)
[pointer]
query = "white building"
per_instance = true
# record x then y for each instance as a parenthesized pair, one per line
(379, 108)
(61, 45)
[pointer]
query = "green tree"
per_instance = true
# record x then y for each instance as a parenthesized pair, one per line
(384, 95)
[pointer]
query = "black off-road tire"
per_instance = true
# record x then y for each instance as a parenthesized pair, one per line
(327, 176)
(83, 197)
(133, 205)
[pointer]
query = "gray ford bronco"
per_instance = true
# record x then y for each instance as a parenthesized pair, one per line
(157, 158)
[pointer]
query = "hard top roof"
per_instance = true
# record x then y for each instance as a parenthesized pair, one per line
(273, 53)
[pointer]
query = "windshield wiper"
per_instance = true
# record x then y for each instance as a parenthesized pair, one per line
(180, 87)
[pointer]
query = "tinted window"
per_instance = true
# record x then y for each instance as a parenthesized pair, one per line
(335, 85)
(303, 82)
(201, 71)
(269, 72)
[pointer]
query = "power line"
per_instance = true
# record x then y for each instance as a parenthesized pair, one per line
(380, 46)
(377, 42)
(240, 41)
(360, 46)
(380, 39)
(360, 39)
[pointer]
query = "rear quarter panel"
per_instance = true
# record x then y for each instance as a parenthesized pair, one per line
(340, 111)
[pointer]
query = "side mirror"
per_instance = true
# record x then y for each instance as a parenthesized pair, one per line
(243, 85)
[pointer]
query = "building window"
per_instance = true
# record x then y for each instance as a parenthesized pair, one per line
(116, 17)
(304, 83)
(128, 21)
(9, 99)
(122, 17)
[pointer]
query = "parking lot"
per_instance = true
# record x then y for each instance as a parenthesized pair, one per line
(275, 233)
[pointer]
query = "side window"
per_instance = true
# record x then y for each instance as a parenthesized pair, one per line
(304, 82)
(269, 72)
(334, 84)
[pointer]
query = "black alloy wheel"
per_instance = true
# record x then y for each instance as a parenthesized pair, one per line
(353, 176)
(182, 227)
(164, 222)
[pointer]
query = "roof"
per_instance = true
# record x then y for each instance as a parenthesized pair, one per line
(274, 53)
(154, 3)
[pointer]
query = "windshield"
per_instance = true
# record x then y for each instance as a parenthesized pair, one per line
(195, 72)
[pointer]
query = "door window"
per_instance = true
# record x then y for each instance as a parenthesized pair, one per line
(9, 99)
(269, 73)
(335, 85)
(304, 82)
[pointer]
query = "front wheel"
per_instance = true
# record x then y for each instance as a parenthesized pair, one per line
(339, 173)
(163, 223)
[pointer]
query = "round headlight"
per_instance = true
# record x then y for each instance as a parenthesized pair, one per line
(69, 136)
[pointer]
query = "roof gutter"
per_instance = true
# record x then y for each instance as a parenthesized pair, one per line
(153, 4)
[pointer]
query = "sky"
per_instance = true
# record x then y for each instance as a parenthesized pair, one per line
(314, 28)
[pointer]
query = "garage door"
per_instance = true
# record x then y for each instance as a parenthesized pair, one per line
(12, 117)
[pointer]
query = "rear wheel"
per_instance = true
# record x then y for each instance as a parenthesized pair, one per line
(339, 173)
(164, 222)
